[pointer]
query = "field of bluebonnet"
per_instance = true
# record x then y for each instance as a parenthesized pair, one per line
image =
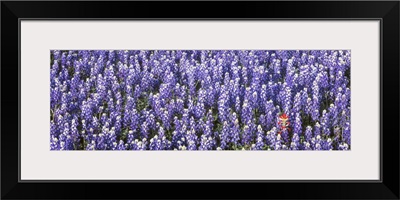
(200, 100)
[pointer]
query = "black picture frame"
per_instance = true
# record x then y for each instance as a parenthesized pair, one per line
(386, 11)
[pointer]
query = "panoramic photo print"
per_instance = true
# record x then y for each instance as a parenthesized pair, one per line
(200, 100)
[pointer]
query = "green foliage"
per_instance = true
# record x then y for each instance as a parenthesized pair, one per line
(142, 103)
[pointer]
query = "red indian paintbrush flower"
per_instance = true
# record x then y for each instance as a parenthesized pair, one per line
(283, 123)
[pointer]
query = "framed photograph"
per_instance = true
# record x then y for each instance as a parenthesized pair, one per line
(265, 99)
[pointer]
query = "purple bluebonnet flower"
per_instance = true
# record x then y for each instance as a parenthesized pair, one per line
(285, 135)
(225, 135)
(271, 137)
(74, 130)
(238, 104)
(308, 134)
(327, 144)
(235, 130)
(66, 142)
(316, 101)
(121, 145)
(297, 125)
(260, 138)
(191, 139)
(54, 143)
(118, 124)
(222, 106)
(316, 143)
(325, 123)
(247, 133)
(206, 143)
(285, 98)
(247, 111)
(343, 146)
(346, 133)
(139, 145)
(278, 145)
(295, 144)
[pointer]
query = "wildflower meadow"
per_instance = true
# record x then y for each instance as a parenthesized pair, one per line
(200, 100)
